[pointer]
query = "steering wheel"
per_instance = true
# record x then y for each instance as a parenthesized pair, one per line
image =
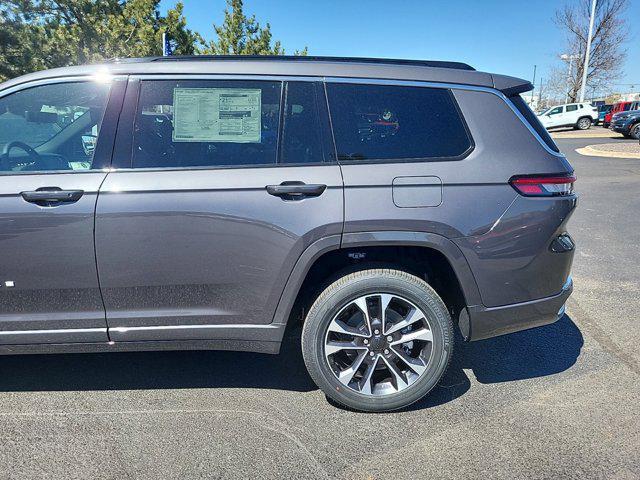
(33, 155)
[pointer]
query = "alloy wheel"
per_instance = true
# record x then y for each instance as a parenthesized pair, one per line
(378, 344)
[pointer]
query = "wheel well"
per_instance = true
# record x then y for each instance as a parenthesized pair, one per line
(423, 262)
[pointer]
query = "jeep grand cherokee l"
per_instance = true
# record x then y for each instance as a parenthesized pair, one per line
(207, 203)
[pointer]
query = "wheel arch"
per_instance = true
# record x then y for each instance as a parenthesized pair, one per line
(328, 246)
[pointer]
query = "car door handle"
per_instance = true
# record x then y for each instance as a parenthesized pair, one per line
(296, 190)
(51, 196)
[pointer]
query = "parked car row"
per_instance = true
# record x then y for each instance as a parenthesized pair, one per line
(617, 107)
(622, 117)
(626, 119)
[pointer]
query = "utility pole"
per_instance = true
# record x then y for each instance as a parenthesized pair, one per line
(533, 83)
(166, 45)
(585, 68)
(569, 59)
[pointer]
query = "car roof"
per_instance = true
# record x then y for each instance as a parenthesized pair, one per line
(373, 68)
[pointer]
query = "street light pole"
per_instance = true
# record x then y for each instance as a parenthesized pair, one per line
(533, 83)
(585, 68)
(569, 59)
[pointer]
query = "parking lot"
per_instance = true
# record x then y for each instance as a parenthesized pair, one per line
(558, 401)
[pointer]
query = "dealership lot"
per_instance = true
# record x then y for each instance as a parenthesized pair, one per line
(556, 401)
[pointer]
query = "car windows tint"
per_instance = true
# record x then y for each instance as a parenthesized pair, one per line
(201, 123)
(395, 122)
(534, 121)
(51, 127)
(572, 108)
(301, 139)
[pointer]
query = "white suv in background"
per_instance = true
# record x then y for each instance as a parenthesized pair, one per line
(577, 115)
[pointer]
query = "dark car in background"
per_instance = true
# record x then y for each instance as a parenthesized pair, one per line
(617, 107)
(386, 206)
(628, 122)
(602, 112)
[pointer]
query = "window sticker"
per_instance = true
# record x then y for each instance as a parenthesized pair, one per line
(217, 115)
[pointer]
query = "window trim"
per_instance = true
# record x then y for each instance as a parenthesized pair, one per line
(453, 87)
(326, 118)
(123, 148)
(462, 156)
(124, 140)
(109, 120)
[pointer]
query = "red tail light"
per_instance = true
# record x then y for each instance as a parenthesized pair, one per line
(544, 185)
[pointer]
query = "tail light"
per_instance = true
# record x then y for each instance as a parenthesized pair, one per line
(544, 185)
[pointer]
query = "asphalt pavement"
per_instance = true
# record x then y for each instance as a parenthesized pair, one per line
(560, 401)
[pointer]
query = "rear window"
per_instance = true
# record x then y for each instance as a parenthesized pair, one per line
(388, 122)
(526, 112)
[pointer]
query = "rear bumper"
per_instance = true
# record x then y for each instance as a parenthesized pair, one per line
(479, 322)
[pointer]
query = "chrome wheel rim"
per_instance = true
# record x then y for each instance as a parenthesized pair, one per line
(584, 123)
(378, 344)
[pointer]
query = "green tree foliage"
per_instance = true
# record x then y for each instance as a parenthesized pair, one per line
(242, 35)
(39, 34)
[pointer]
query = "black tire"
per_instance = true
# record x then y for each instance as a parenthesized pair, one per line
(371, 282)
(634, 131)
(583, 123)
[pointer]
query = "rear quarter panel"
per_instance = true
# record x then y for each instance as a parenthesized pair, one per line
(475, 197)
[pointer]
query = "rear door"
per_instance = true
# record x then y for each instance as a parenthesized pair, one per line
(211, 203)
(571, 115)
(56, 141)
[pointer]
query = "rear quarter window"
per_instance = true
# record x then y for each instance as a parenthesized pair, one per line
(389, 122)
(531, 118)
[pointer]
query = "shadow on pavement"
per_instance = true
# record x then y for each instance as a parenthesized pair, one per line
(533, 353)
(529, 354)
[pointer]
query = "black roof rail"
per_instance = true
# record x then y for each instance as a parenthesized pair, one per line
(300, 58)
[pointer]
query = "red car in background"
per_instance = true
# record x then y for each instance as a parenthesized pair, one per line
(617, 107)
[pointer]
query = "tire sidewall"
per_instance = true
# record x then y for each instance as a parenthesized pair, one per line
(323, 313)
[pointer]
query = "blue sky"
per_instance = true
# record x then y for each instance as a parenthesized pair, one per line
(499, 36)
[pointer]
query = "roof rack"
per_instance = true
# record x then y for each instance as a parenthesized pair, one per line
(300, 58)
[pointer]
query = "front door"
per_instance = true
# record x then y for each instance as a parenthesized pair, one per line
(555, 117)
(53, 147)
(211, 204)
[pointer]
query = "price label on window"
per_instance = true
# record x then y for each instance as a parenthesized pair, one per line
(217, 115)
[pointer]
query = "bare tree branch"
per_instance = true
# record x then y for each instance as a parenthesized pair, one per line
(610, 32)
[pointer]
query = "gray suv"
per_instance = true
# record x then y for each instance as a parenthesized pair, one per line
(388, 206)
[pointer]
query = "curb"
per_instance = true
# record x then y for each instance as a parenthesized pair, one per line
(592, 152)
(606, 134)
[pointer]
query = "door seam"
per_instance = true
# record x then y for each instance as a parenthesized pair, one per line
(95, 256)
